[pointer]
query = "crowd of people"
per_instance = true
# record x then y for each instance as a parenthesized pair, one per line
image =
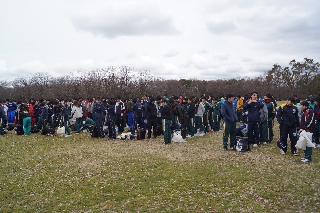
(191, 116)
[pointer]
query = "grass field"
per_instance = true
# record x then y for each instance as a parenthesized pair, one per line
(81, 174)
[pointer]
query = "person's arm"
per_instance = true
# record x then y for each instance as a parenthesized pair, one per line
(279, 115)
(246, 105)
(225, 114)
(310, 119)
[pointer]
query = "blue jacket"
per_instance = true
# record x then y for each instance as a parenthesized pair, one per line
(12, 106)
(253, 110)
(229, 113)
(99, 110)
(111, 114)
(137, 110)
(44, 113)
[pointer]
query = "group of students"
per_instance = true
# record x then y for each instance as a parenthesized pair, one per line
(191, 116)
(259, 114)
(158, 115)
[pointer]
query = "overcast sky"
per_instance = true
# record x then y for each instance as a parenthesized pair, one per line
(203, 39)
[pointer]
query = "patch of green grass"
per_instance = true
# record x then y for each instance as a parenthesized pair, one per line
(80, 174)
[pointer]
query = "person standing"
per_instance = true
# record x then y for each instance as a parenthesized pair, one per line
(111, 120)
(307, 124)
(264, 123)
(217, 114)
(151, 112)
(271, 115)
(287, 116)
(253, 106)
(166, 115)
(12, 107)
(43, 117)
(198, 117)
(99, 114)
(120, 117)
(191, 113)
(77, 113)
(230, 119)
(26, 119)
(65, 119)
(239, 108)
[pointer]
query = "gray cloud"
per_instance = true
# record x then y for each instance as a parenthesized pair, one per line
(132, 23)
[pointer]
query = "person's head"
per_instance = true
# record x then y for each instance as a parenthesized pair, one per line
(254, 96)
(230, 97)
(163, 102)
(290, 101)
(152, 100)
(268, 96)
(304, 105)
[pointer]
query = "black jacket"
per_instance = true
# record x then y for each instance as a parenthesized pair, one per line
(191, 110)
(307, 120)
(151, 111)
(288, 116)
(166, 112)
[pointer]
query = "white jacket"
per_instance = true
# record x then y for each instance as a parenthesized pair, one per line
(76, 111)
(200, 110)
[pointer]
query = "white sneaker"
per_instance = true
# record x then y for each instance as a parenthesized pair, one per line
(318, 145)
(305, 160)
(67, 136)
(282, 152)
(255, 145)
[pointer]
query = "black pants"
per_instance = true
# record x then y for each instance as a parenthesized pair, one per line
(120, 121)
(253, 132)
(111, 129)
(99, 124)
(183, 128)
(152, 124)
(284, 131)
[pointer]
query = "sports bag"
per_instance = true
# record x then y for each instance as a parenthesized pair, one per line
(242, 144)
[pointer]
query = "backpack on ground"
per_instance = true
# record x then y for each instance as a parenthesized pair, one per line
(19, 129)
(141, 134)
(94, 132)
(47, 131)
(242, 144)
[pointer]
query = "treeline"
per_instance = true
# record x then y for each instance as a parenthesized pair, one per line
(301, 78)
